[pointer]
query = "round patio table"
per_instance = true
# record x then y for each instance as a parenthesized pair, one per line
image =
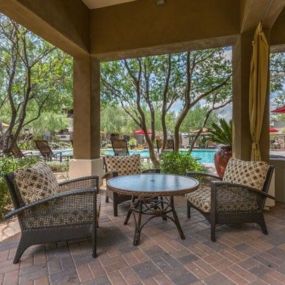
(152, 195)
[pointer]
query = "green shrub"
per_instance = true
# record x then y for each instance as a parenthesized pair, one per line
(132, 142)
(57, 166)
(26, 145)
(179, 163)
(7, 165)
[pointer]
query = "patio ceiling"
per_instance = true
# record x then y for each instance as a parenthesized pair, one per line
(94, 4)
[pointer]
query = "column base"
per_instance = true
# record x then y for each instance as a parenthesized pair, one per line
(86, 167)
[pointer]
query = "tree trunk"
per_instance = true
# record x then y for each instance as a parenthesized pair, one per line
(164, 128)
(152, 154)
(178, 123)
(164, 104)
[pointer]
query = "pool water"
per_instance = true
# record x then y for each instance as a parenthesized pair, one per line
(204, 155)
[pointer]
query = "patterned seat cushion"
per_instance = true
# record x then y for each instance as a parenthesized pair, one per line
(201, 198)
(62, 212)
(247, 173)
(228, 200)
(124, 165)
(35, 183)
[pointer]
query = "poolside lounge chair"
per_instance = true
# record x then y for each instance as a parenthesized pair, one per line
(46, 151)
(120, 147)
(52, 212)
(169, 146)
(237, 198)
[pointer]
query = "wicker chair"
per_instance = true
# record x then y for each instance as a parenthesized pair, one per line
(122, 165)
(71, 213)
(120, 147)
(46, 151)
(224, 202)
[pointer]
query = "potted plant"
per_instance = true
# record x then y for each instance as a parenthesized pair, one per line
(221, 133)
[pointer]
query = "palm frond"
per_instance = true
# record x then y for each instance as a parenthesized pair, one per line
(222, 132)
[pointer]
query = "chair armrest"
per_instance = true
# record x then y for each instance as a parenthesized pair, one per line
(217, 184)
(50, 199)
(80, 183)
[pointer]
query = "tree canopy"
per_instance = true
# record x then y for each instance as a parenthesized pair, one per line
(36, 77)
(150, 88)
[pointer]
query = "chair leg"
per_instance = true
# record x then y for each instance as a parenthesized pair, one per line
(115, 204)
(263, 225)
(213, 231)
(188, 210)
(22, 246)
(94, 240)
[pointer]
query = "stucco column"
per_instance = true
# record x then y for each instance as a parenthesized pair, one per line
(242, 52)
(86, 119)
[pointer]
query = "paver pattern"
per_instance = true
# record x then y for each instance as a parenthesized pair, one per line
(241, 255)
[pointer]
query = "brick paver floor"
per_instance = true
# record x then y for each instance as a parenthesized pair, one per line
(241, 255)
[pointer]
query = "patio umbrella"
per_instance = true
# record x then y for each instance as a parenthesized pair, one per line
(279, 110)
(273, 130)
(258, 84)
(141, 132)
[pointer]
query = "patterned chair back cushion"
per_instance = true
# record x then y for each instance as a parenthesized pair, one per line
(247, 173)
(35, 183)
(124, 165)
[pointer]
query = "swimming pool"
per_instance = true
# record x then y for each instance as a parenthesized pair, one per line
(204, 155)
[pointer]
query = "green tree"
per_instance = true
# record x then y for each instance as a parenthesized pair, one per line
(277, 72)
(277, 81)
(36, 78)
(115, 120)
(194, 120)
(49, 121)
(145, 87)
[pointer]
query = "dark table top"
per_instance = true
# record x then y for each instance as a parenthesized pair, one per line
(152, 184)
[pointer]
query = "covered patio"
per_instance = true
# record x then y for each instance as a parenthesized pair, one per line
(93, 33)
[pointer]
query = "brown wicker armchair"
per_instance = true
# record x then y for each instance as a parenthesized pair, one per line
(223, 202)
(122, 165)
(72, 213)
